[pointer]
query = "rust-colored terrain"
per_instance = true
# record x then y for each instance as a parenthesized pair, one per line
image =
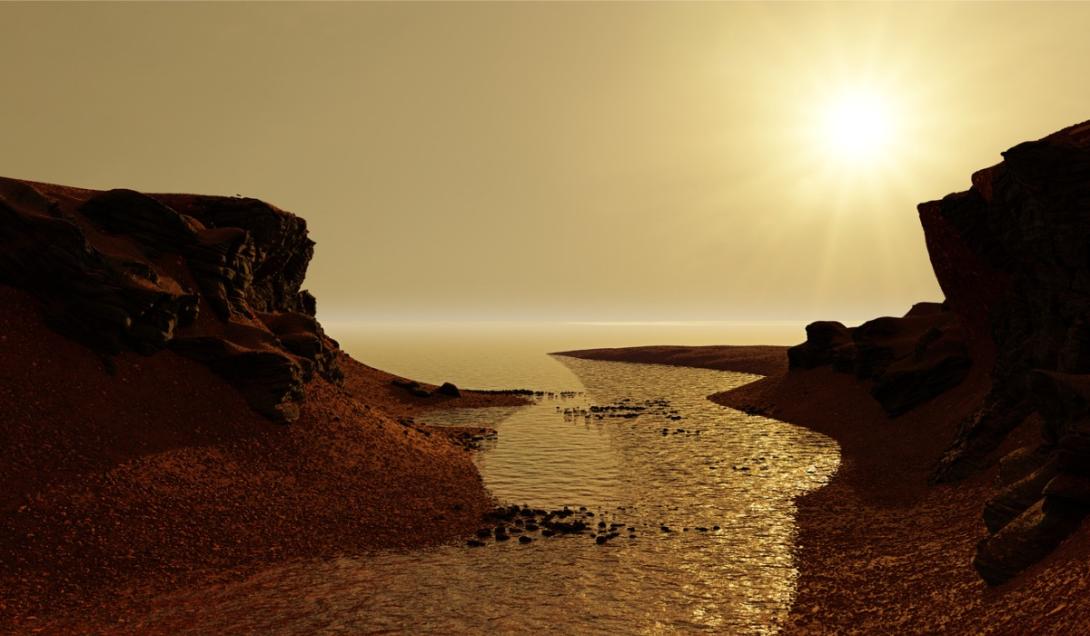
(173, 411)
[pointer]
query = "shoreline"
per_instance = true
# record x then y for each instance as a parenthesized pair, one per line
(753, 359)
(879, 549)
(156, 474)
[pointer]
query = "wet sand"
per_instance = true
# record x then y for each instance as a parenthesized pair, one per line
(159, 474)
(881, 551)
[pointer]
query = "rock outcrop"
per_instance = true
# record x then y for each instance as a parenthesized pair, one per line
(906, 360)
(1011, 256)
(214, 278)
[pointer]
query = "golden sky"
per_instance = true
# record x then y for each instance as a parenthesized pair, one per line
(556, 161)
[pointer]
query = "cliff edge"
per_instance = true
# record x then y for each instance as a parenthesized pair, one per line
(1010, 255)
(173, 411)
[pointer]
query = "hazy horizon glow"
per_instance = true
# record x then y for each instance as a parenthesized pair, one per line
(562, 162)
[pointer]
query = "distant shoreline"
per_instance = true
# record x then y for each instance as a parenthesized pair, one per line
(755, 359)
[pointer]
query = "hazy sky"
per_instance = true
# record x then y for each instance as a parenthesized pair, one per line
(558, 161)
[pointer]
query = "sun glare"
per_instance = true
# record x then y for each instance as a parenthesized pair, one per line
(857, 125)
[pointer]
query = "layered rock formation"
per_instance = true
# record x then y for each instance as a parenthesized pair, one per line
(907, 360)
(216, 279)
(1011, 256)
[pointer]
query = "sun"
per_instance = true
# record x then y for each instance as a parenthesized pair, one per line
(857, 125)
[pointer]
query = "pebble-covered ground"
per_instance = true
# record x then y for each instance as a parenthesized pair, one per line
(120, 485)
(880, 551)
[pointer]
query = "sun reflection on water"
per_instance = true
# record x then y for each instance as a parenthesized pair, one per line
(725, 487)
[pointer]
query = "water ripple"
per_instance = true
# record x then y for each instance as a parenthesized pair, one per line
(727, 469)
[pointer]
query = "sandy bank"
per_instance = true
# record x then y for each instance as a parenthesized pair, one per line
(881, 551)
(161, 474)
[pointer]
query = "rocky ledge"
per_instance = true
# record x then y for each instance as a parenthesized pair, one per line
(1011, 256)
(216, 279)
(906, 360)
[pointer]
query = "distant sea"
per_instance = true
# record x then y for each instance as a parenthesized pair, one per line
(499, 355)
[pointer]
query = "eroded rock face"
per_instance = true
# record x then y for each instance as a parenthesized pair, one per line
(1012, 255)
(214, 278)
(907, 360)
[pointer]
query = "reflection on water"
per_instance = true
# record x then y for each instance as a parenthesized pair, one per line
(726, 469)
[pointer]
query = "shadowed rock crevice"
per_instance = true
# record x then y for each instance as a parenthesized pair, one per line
(217, 279)
(906, 360)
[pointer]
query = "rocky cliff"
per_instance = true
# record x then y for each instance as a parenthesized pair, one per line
(216, 279)
(130, 467)
(1011, 254)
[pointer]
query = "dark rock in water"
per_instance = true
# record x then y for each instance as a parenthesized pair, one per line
(525, 539)
(124, 270)
(665, 528)
(473, 543)
(484, 533)
(547, 532)
(564, 527)
(449, 389)
(601, 539)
